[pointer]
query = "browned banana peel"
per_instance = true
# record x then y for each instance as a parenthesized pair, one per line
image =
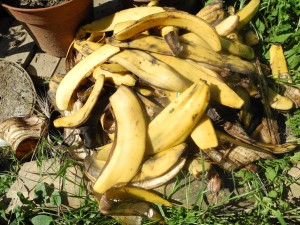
(258, 146)
(172, 39)
(246, 156)
(218, 158)
(112, 208)
(130, 201)
(197, 166)
(213, 13)
(271, 121)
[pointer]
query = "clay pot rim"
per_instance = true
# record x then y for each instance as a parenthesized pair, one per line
(35, 9)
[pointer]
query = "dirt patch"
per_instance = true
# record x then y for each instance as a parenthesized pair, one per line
(33, 3)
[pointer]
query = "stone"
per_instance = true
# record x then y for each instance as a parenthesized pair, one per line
(31, 176)
(295, 188)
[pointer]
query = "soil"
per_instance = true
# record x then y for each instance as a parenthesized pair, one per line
(33, 3)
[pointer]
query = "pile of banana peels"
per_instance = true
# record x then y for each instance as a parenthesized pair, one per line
(158, 88)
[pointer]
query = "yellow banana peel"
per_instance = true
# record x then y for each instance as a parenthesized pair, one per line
(203, 134)
(277, 61)
(160, 163)
(136, 193)
(247, 13)
(81, 116)
(130, 117)
(81, 70)
(227, 25)
(188, 109)
(173, 18)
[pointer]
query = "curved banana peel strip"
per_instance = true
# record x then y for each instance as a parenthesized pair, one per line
(115, 78)
(107, 121)
(126, 192)
(129, 117)
(206, 70)
(153, 71)
(79, 117)
(108, 23)
(188, 108)
(227, 25)
(247, 13)
(96, 37)
(161, 180)
(186, 69)
(204, 134)
(153, 3)
(122, 25)
(173, 18)
(160, 163)
(219, 90)
(53, 85)
(72, 80)
(190, 51)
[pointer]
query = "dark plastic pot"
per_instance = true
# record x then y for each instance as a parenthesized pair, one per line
(53, 28)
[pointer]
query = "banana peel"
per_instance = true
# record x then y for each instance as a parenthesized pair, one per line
(173, 18)
(123, 143)
(156, 182)
(190, 51)
(79, 117)
(227, 25)
(188, 108)
(109, 22)
(153, 71)
(237, 49)
(204, 134)
(141, 194)
(160, 163)
(247, 13)
(72, 79)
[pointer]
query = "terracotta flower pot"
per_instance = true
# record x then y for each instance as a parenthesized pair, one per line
(53, 28)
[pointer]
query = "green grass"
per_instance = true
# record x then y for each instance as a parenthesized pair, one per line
(266, 188)
(35, 211)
